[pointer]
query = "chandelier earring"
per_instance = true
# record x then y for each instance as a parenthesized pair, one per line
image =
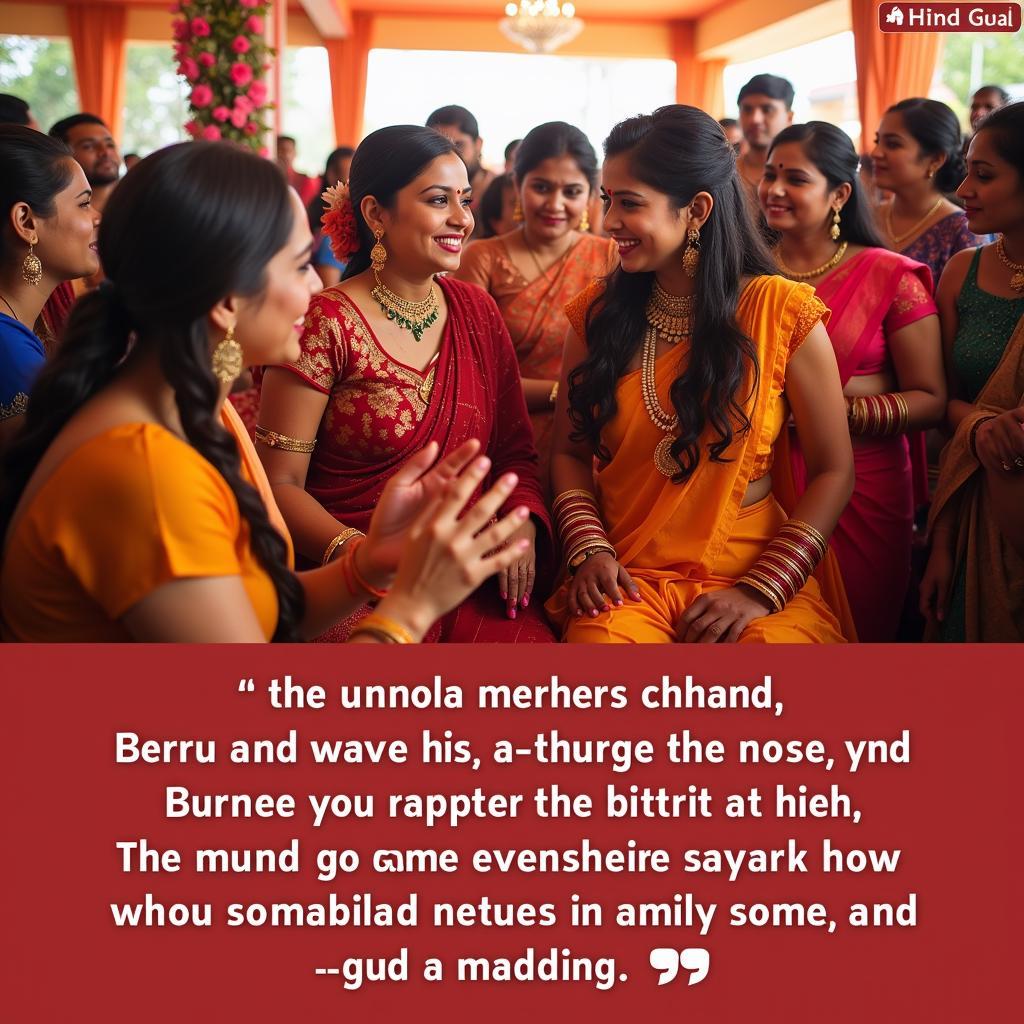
(227, 358)
(585, 220)
(378, 254)
(517, 211)
(31, 266)
(691, 254)
(834, 230)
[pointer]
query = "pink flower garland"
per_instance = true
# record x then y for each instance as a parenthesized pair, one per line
(223, 55)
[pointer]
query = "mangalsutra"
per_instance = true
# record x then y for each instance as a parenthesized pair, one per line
(898, 240)
(671, 316)
(664, 461)
(806, 275)
(1017, 269)
(413, 316)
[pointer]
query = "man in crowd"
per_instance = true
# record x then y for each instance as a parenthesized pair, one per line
(307, 187)
(14, 110)
(766, 107)
(460, 126)
(984, 101)
(93, 146)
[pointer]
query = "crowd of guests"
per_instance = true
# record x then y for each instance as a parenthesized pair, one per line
(680, 394)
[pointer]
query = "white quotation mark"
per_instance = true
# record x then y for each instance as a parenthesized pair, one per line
(669, 960)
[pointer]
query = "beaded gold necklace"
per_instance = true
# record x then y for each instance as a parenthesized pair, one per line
(1017, 269)
(413, 316)
(671, 316)
(806, 275)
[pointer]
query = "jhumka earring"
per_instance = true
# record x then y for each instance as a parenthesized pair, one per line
(834, 230)
(517, 211)
(227, 358)
(691, 254)
(31, 266)
(585, 220)
(378, 254)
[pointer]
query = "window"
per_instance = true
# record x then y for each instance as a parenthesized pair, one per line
(824, 75)
(40, 72)
(511, 93)
(308, 114)
(155, 99)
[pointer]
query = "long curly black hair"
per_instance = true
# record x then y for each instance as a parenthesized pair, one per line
(191, 224)
(679, 151)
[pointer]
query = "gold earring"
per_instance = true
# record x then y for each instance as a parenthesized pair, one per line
(378, 254)
(32, 267)
(227, 358)
(691, 254)
(585, 220)
(517, 211)
(834, 230)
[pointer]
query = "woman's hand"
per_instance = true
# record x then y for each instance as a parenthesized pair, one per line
(721, 616)
(515, 584)
(404, 498)
(445, 557)
(937, 581)
(999, 442)
(596, 582)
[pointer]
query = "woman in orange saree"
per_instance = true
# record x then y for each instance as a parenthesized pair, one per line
(533, 271)
(683, 531)
(885, 332)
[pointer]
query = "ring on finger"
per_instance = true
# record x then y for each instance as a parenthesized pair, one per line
(1019, 462)
(1006, 466)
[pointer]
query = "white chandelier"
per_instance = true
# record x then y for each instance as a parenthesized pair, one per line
(541, 26)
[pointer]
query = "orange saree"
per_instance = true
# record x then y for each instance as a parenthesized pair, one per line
(678, 541)
(534, 311)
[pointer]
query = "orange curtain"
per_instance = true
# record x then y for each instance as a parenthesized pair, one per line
(347, 59)
(98, 44)
(698, 82)
(890, 66)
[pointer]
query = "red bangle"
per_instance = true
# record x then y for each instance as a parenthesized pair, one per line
(354, 545)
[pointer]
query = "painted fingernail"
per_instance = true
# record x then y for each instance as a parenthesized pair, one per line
(593, 613)
(526, 601)
(579, 612)
(605, 608)
(618, 604)
(504, 596)
(512, 614)
(636, 595)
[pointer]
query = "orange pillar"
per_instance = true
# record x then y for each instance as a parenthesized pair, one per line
(890, 66)
(98, 44)
(348, 60)
(698, 82)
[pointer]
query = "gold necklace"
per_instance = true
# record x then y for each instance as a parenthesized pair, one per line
(413, 316)
(898, 239)
(671, 316)
(664, 462)
(541, 272)
(806, 275)
(1017, 269)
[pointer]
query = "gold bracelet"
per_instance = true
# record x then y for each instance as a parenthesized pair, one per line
(381, 626)
(338, 541)
(553, 397)
(272, 439)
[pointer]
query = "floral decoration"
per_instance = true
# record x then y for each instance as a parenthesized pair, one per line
(223, 55)
(339, 221)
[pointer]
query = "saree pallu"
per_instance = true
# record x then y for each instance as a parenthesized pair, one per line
(681, 540)
(381, 412)
(874, 294)
(533, 311)
(989, 571)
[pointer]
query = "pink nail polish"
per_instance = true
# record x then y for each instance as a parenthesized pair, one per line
(593, 613)
(504, 596)
(618, 604)
(512, 614)
(578, 613)
(526, 601)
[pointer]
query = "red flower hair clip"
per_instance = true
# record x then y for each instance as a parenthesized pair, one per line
(339, 221)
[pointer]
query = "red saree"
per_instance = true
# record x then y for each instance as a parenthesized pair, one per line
(871, 296)
(381, 412)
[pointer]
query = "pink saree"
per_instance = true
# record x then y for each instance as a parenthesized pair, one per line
(871, 296)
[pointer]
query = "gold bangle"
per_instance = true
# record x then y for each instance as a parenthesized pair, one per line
(382, 626)
(553, 397)
(272, 439)
(576, 493)
(336, 543)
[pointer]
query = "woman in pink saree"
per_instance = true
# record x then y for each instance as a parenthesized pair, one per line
(885, 333)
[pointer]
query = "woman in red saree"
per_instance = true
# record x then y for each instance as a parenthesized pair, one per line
(533, 271)
(885, 333)
(381, 376)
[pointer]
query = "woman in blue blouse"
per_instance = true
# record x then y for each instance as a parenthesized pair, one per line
(47, 235)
